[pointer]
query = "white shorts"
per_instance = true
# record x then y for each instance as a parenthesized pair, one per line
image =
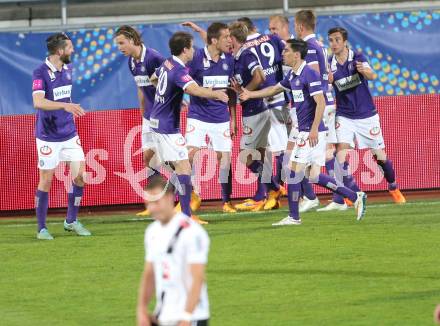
(169, 147)
(329, 122)
(147, 140)
(255, 131)
(366, 132)
(219, 135)
(294, 130)
(50, 154)
(277, 137)
(303, 153)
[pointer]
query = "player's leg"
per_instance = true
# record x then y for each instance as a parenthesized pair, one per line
(225, 179)
(42, 202)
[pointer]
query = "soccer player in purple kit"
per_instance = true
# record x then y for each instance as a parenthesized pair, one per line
(268, 49)
(142, 64)
(173, 80)
(56, 136)
(213, 67)
(308, 155)
(356, 114)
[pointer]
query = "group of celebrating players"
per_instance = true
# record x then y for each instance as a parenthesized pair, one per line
(299, 105)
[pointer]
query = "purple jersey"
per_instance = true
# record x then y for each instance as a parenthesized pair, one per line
(173, 78)
(209, 73)
(353, 98)
(245, 65)
(54, 125)
(317, 54)
(303, 85)
(142, 71)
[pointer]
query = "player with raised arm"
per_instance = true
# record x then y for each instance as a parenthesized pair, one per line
(56, 135)
(356, 114)
(213, 67)
(173, 80)
(308, 155)
(142, 63)
(268, 49)
(175, 263)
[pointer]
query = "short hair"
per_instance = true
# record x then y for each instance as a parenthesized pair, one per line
(180, 41)
(248, 22)
(298, 46)
(56, 41)
(130, 33)
(338, 29)
(306, 18)
(239, 30)
(159, 181)
(214, 31)
(282, 18)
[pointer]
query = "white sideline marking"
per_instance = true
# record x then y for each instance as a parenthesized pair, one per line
(139, 219)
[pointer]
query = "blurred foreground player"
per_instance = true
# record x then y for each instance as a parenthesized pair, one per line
(173, 80)
(308, 155)
(142, 64)
(56, 136)
(176, 257)
(356, 114)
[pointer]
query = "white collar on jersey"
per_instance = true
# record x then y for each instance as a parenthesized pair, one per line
(252, 36)
(52, 67)
(178, 60)
(300, 69)
(240, 51)
(144, 51)
(308, 37)
(349, 59)
(208, 56)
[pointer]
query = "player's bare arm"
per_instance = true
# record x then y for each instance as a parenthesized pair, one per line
(141, 99)
(195, 90)
(44, 104)
(257, 79)
(146, 291)
(320, 106)
(262, 93)
(196, 28)
(154, 79)
(364, 69)
(198, 278)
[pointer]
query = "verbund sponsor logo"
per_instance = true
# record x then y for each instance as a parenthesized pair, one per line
(62, 92)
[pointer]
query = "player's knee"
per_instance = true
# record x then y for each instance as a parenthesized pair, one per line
(79, 180)
(45, 181)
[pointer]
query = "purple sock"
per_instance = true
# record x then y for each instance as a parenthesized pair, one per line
(389, 174)
(226, 175)
(260, 194)
(293, 189)
(273, 184)
(74, 201)
(330, 183)
(41, 206)
(330, 167)
(279, 168)
(185, 193)
(307, 189)
(348, 179)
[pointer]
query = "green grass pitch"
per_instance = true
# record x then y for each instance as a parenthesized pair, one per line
(331, 270)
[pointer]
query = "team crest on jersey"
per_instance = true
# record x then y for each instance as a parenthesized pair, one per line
(45, 150)
(51, 75)
(247, 130)
(301, 142)
(68, 76)
(225, 66)
(375, 131)
(143, 69)
(297, 82)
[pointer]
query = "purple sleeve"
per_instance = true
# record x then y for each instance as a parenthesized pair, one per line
(360, 57)
(314, 84)
(312, 55)
(38, 83)
(157, 61)
(182, 78)
(285, 83)
(250, 61)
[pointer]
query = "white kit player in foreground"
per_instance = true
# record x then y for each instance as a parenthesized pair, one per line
(176, 257)
(56, 136)
(308, 155)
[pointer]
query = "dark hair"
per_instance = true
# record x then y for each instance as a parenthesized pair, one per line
(56, 41)
(248, 22)
(239, 31)
(298, 46)
(180, 41)
(130, 33)
(282, 18)
(338, 29)
(159, 181)
(306, 18)
(214, 31)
